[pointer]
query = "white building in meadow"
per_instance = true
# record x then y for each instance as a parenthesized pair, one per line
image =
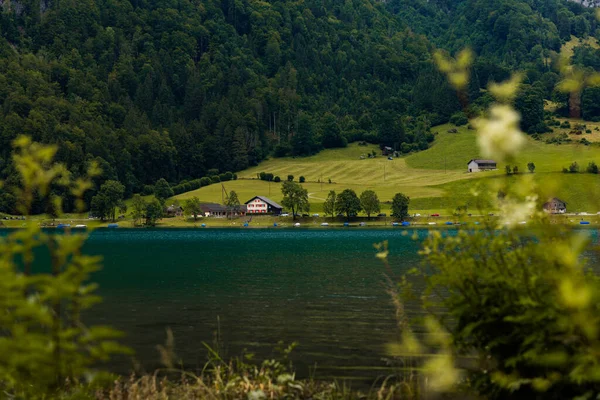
(262, 205)
(481, 165)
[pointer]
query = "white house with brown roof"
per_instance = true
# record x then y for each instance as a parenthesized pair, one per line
(481, 165)
(262, 205)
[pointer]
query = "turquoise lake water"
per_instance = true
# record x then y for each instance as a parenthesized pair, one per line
(324, 289)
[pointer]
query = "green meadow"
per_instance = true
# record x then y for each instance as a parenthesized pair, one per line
(435, 179)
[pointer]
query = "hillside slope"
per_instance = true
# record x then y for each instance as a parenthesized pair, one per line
(172, 89)
(435, 179)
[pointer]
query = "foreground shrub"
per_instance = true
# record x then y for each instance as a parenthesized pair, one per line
(520, 302)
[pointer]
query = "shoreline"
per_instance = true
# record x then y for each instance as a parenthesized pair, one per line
(272, 222)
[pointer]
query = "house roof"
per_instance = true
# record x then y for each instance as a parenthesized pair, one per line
(554, 199)
(266, 200)
(214, 207)
(482, 161)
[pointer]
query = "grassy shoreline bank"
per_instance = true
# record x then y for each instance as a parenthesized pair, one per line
(273, 222)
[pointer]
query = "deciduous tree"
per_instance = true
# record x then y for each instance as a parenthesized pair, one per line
(192, 206)
(329, 205)
(400, 204)
(347, 203)
(295, 197)
(369, 202)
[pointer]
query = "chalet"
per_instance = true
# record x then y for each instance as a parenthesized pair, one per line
(387, 151)
(219, 210)
(174, 211)
(263, 205)
(555, 206)
(481, 165)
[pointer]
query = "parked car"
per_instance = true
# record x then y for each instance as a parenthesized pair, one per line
(305, 215)
(381, 215)
(315, 215)
(435, 215)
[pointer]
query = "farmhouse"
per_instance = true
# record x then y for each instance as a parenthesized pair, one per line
(481, 165)
(219, 210)
(387, 151)
(555, 206)
(174, 211)
(263, 205)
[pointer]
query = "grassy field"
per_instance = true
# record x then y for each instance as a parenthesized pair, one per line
(436, 179)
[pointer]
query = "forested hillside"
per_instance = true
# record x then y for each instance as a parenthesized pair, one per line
(177, 89)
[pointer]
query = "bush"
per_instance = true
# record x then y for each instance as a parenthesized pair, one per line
(205, 181)
(215, 179)
(235, 177)
(147, 190)
(225, 177)
(585, 142)
(592, 168)
(302, 179)
(565, 125)
(196, 184)
(290, 178)
(277, 179)
(212, 172)
(574, 167)
(459, 119)
(531, 325)
(262, 176)
(269, 177)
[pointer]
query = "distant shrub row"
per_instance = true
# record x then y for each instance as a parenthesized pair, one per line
(186, 186)
(269, 177)
(592, 168)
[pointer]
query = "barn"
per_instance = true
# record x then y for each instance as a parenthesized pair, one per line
(481, 165)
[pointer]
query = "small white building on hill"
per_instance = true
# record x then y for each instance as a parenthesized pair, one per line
(481, 165)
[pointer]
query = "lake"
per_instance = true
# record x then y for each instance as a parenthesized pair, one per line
(321, 288)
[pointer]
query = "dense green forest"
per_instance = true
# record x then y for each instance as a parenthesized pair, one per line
(182, 89)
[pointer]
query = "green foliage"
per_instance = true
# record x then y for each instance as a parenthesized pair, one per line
(109, 197)
(277, 179)
(369, 202)
(400, 204)
(531, 167)
(138, 205)
(302, 179)
(527, 309)
(290, 178)
(348, 203)
(232, 202)
(331, 135)
(459, 119)
(329, 205)
(192, 206)
(153, 212)
(162, 189)
(592, 168)
(574, 167)
(295, 197)
(44, 343)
